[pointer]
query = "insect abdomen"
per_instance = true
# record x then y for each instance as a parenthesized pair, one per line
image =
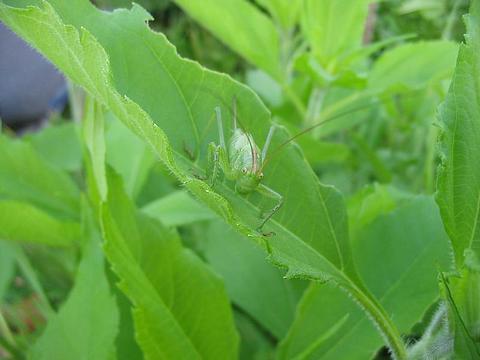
(243, 151)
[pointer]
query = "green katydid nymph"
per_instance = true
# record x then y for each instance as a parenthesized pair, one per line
(241, 162)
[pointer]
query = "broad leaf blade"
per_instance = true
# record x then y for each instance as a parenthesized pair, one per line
(180, 308)
(252, 283)
(458, 185)
(398, 256)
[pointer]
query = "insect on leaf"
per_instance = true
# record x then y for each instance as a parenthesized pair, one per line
(135, 73)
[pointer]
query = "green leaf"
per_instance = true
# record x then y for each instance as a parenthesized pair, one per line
(252, 283)
(26, 176)
(93, 124)
(333, 28)
(458, 186)
(180, 96)
(241, 26)
(51, 139)
(413, 66)
(181, 310)
(178, 208)
(285, 12)
(86, 325)
(23, 222)
(398, 255)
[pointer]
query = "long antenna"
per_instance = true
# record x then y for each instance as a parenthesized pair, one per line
(310, 128)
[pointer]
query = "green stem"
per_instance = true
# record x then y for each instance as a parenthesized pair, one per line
(296, 101)
(429, 169)
(452, 19)
(29, 273)
(315, 105)
(382, 321)
(5, 330)
(75, 99)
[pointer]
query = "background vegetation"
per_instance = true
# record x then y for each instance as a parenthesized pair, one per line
(114, 246)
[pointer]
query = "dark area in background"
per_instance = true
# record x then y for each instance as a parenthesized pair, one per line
(30, 87)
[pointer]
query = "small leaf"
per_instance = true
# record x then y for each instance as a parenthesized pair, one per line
(86, 325)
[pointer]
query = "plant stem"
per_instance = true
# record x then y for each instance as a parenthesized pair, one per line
(452, 18)
(315, 105)
(382, 321)
(5, 330)
(296, 101)
(430, 160)
(29, 273)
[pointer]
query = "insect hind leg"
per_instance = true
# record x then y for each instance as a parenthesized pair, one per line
(270, 193)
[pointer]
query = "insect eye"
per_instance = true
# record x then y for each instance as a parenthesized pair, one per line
(260, 176)
(244, 170)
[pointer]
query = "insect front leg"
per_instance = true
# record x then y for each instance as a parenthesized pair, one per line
(270, 193)
(218, 160)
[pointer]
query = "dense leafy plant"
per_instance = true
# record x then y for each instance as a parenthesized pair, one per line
(128, 252)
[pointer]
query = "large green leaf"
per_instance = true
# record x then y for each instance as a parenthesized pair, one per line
(181, 310)
(144, 67)
(406, 247)
(459, 177)
(23, 222)
(86, 325)
(26, 176)
(242, 27)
